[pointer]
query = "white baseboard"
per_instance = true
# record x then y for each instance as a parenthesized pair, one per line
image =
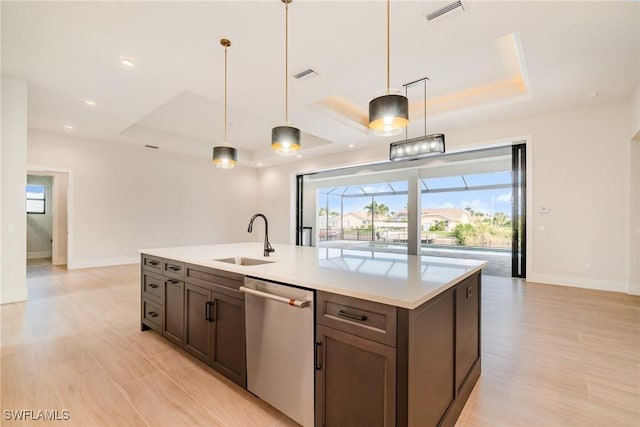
(581, 282)
(59, 261)
(634, 288)
(13, 295)
(41, 254)
(103, 262)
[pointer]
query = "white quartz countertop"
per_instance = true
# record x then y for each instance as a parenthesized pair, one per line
(401, 280)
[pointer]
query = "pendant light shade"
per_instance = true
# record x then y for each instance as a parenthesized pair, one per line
(225, 156)
(389, 113)
(285, 140)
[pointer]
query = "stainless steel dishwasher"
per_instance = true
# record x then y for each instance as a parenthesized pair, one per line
(280, 347)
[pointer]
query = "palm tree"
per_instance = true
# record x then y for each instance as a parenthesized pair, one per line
(383, 209)
(378, 210)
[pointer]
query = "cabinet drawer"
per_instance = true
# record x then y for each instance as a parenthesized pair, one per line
(152, 287)
(152, 263)
(215, 280)
(173, 269)
(365, 319)
(152, 314)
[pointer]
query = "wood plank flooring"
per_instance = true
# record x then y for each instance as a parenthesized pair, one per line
(552, 356)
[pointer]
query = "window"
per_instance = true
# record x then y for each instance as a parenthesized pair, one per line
(35, 198)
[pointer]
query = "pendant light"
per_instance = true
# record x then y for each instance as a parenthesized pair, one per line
(225, 156)
(285, 140)
(422, 146)
(389, 112)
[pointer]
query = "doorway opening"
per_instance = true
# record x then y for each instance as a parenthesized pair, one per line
(46, 201)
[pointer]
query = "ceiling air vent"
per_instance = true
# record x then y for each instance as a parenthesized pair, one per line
(154, 147)
(443, 10)
(306, 74)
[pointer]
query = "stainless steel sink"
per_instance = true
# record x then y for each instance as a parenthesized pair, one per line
(244, 261)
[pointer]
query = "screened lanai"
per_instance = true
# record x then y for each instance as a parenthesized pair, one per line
(455, 209)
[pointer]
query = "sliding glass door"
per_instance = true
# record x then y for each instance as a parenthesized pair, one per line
(462, 205)
(519, 212)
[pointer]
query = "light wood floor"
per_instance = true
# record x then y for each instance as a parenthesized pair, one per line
(552, 356)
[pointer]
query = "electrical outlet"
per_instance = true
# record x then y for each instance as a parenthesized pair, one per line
(587, 266)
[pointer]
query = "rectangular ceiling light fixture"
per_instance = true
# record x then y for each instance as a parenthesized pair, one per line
(417, 148)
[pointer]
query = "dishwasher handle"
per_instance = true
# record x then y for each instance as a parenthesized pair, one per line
(290, 301)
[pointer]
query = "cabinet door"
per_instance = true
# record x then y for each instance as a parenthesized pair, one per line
(173, 310)
(198, 308)
(228, 338)
(467, 328)
(355, 380)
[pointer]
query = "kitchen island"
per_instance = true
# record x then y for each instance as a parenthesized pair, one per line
(397, 337)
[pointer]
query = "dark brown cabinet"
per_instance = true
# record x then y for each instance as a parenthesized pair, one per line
(198, 308)
(355, 380)
(173, 327)
(467, 329)
(215, 331)
(198, 330)
(379, 365)
(228, 337)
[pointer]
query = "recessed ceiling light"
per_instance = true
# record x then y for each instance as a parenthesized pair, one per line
(352, 145)
(299, 156)
(259, 164)
(127, 62)
(68, 127)
(90, 102)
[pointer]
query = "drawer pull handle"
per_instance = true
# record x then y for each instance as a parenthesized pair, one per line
(173, 281)
(318, 355)
(154, 263)
(352, 316)
(153, 285)
(174, 268)
(152, 314)
(469, 292)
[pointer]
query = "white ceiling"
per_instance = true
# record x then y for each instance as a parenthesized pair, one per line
(492, 62)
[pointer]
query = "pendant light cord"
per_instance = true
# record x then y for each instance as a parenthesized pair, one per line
(388, 44)
(425, 107)
(286, 63)
(226, 141)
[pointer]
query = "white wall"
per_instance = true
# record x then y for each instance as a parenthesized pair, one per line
(634, 224)
(13, 162)
(580, 170)
(40, 226)
(125, 198)
(635, 115)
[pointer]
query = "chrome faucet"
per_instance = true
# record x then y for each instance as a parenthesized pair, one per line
(267, 246)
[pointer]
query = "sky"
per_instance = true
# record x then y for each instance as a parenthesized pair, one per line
(479, 201)
(486, 201)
